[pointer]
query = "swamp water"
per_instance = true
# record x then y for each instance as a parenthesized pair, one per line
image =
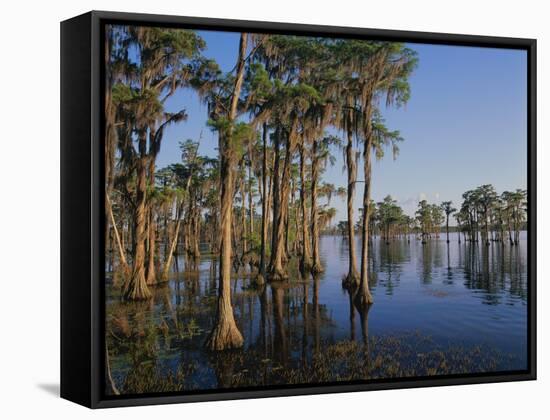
(438, 309)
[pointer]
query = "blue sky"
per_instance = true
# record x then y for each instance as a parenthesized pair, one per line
(465, 125)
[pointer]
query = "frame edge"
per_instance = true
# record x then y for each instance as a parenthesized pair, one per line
(76, 260)
(97, 17)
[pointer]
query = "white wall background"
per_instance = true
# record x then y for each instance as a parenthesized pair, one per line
(29, 207)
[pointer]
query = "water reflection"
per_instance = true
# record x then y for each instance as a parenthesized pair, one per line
(464, 294)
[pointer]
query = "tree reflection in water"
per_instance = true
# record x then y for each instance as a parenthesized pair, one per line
(307, 329)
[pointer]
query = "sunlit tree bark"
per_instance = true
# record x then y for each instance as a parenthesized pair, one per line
(225, 334)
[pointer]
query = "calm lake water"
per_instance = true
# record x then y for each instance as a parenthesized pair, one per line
(461, 296)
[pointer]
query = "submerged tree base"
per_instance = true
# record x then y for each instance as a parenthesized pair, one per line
(135, 290)
(278, 275)
(317, 268)
(363, 298)
(350, 281)
(224, 336)
(259, 280)
(305, 266)
(152, 279)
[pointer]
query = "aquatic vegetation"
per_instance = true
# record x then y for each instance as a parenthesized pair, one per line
(406, 356)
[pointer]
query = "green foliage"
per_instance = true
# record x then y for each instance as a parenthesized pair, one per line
(254, 241)
(388, 212)
(384, 137)
(122, 93)
(258, 84)
(190, 330)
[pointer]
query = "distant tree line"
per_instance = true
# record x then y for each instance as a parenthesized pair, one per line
(484, 216)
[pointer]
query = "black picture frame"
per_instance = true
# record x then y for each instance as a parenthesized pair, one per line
(82, 206)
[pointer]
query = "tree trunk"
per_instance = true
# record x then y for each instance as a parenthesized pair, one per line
(305, 262)
(196, 234)
(243, 217)
(225, 334)
(136, 286)
(275, 270)
(261, 275)
(250, 199)
(296, 241)
(172, 248)
(287, 224)
(364, 296)
(487, 242)
(151, 227)
(110, 141)
(352, 278)
(151, 272)
(120, 245)
(317, 266)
